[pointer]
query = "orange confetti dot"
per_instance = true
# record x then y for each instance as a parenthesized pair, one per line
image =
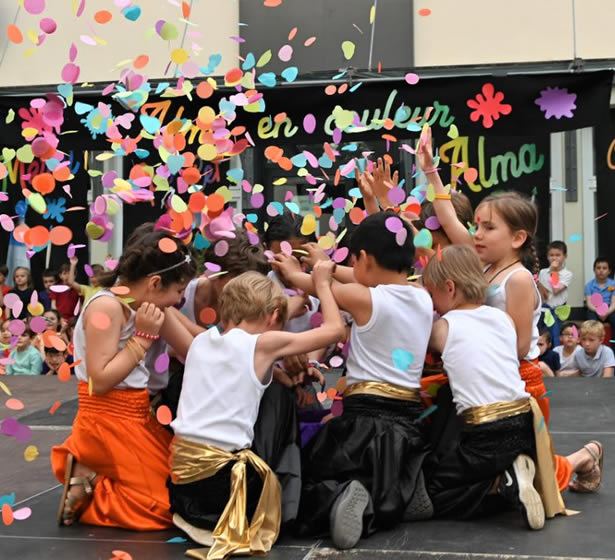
(470, 175)
(388, 159)
(120, 555)
(342, 88)
(331, 393)
(186, 10)
(285, 164)
(233, 76)
(204, 90)
(309, 42)
(100, 320)
(64, 372)
(163, 415)
(14, 34)
(330, 89)
(197, 202)
(272, 3)
(356, 215)
(57, 343)
(62, 173)
(191, 175)
(14, 404)
(37, 236)
(54, 407)
(60, 235)
(103, 16)
(274, 153)
(44, 183)
(424, 12)
(215, 203)
(7, 514)
(19, 233)
(141, 61)
(167, 245)
(280, 118)
(120, 290)
(389, 137)
(292, 34)
(208, 316)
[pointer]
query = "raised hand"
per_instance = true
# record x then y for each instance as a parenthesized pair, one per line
(149, 319)
(314, 254)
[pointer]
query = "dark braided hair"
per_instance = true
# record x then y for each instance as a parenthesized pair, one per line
(520, 214)
(143, 256)
(241, 256)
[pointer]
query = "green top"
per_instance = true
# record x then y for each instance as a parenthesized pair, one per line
(26, 362)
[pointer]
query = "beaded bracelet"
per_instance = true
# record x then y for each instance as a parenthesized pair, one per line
(443, 196)
(429, 171)
(147, 336)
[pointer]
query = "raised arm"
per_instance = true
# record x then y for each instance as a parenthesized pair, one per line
(445, 211)
(179, 331)
(71, 274)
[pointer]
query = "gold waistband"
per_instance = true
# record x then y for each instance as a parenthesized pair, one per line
(386, 390)
(191, 461)
(494, 411)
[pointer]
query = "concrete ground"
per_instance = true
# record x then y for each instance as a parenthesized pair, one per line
(582, 409)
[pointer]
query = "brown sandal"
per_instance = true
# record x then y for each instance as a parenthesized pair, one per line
(71, 507)
(590, 481)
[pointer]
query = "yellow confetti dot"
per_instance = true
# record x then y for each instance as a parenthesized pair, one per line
(430, 195)
(178, 204)
(30, 453)
(308, 226)
(326, 242)
(225, 193)
(179, 56)
(29, 132)
(5, 389)
(207, 152)
(280, 181)
(105, 156)
(348, 48)
(37, 203)
(264, 59)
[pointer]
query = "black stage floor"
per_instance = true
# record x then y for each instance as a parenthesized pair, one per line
(581, 410)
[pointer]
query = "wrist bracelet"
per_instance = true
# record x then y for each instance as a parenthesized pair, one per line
(147, 336)
(431, 170)
(443, 196)
(138, 353)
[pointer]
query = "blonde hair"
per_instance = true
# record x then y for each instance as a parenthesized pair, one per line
(520, 214)
(250, 297)
(460, 264)
(589, 328)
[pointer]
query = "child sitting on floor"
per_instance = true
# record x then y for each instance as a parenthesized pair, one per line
(26, 359)
(362, 470)
(548, 359)
(495, 452)
(567, 350)
(595, 359)
(225, 377)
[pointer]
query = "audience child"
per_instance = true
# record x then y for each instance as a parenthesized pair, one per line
(4, 288)
(603, 285)
(114, 465)
(65, 302)
(84, 290)
(26, 360)
(54, 358)
(595, 359)
(354, 482)
(548, 359)
(553, 283)
(497, 448)
(214, 428)
(5, 344)
(567, 350)
(44, 295)
(23, 288)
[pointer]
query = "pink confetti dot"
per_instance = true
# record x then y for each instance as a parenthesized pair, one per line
(38, 324)
(309, 123)
(340, 255)
(48, 25)
(285, 53)
(286, 248)
(70, 73)
(411, 78)
(161, 364)
(393, 224)
(336, 361)
(34, 7)
(221, 248)
(401, 236)
(432, 223)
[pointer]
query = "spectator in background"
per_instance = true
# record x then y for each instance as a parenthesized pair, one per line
(85, 291)
(596, 359)
(605, 286)
(26, 360)
(553, 283)
(569, 346)
(54, 325)
(53, 360)
(44, 296)
(4, 287)
(23, 288)
(5, 344)
(548, 359)
(65, 302)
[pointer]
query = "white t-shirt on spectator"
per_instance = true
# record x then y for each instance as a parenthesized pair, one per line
(592, 366)
(565, 278)
(567, 362)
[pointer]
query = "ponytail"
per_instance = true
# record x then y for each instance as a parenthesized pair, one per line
(529, 256)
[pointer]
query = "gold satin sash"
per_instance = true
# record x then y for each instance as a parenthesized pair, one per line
(544, 481)
(386, 390)
(191, 461)
(494, 411)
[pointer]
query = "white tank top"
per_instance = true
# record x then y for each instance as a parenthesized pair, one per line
(303, 322)
(220, 394)
(395, 337)
(189, 294)
(138, 377)
(480, 357)
(496, 297)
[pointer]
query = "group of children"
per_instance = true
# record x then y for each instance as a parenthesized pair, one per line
(232, 464)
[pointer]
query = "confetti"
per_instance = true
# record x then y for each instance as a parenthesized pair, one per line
(14, 404)
(164, 415)
(30, 453)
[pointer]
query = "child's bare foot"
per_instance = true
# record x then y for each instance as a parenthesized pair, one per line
(79, 494)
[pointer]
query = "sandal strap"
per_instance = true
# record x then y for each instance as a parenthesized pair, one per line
(594, 456)
(85, 481)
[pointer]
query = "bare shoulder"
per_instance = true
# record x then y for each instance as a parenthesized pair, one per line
(521, 278)
(111, 306)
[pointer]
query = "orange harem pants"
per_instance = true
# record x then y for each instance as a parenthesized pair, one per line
(117, 437)
(532, 376)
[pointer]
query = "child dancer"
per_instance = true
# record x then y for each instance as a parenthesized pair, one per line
(362, 470)
(225, 378)
(496, 451)
(114, 465)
